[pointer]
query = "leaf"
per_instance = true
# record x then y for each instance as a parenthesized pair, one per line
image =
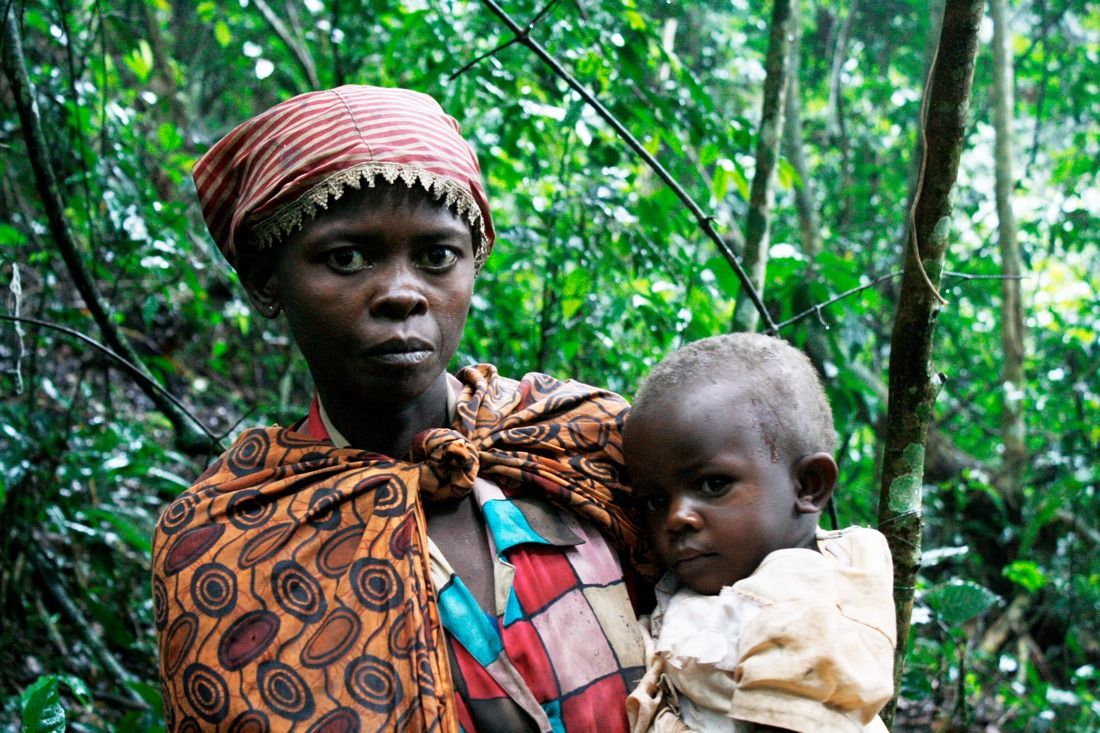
(787, 175)
(10, 236)
(42, 709)
(222, 34)
(958, 601)
(140, 60)
(148, 692)
(133, 535)
(1025, 574)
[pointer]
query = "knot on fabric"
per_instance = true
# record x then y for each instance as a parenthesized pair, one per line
(448, 463)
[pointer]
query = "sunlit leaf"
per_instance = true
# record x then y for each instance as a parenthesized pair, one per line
(958, 601)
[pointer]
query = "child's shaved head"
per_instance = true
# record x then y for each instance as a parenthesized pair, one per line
(789, 402)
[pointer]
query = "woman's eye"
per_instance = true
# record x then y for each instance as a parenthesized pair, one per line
(714, 485)
(438, 258)
(346, 260)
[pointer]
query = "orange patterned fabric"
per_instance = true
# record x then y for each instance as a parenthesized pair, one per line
(291, 583)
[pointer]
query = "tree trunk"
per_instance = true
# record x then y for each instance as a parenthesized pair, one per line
(1012, 319)
(913, 386)
(745, 317)
(808, 221)
(834, 113)
(190, 436)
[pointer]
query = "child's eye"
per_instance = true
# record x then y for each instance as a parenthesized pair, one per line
(438, 258)
(714, 485)
(346, 260)
(654, 503)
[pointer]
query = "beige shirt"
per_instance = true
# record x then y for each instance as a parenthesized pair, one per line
(805, 643)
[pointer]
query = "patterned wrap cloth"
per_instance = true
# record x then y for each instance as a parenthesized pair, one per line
(291, 583)
(273, 172)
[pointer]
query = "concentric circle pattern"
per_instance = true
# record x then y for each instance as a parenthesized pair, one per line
(297, 592)
(376, 584)
(214, 589)
(160, 603)
(250, 721)
(178, 514)
(248, 453)
(373, 684)
(250, 509)
(207, 692)
(284, 691)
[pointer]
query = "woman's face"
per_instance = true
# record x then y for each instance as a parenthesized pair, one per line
(376, 291)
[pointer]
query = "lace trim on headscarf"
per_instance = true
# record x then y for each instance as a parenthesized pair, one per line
(446, 191)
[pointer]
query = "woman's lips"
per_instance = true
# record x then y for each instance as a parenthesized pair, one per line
(400, 352)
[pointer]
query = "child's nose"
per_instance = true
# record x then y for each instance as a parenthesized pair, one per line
(682, 515)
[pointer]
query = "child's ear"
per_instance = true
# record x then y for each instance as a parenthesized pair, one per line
(815, 478)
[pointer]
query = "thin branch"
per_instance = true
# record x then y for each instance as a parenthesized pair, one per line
(129, 367)
(965, 276)
(705, 221)
(816, 309)
(301, 55)
(481, 57)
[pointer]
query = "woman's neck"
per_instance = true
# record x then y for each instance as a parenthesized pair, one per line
(386, 427)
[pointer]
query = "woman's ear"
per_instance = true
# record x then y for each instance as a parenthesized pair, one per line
(260, 282)
(815, 478)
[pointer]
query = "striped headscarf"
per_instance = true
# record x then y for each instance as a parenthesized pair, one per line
(272, 173)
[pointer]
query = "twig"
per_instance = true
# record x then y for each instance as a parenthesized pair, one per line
(965, 276)
(522, 35)
(816, 309)
(301, 55)
(132, 369)
(852, 291)
(16, 289)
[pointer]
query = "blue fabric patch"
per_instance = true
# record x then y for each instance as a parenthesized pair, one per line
(468, 624)
(553, 712)
(508, 525)
(512, 611)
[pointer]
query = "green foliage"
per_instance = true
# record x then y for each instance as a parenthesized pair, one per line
(42, 710)
(598, 272)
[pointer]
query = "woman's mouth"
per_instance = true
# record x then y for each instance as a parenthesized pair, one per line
(399, 352)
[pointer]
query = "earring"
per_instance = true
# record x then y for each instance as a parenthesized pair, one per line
(271, 310)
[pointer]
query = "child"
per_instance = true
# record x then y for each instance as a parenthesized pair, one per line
(762, 618)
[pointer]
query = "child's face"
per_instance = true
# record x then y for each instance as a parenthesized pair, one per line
(716, 498)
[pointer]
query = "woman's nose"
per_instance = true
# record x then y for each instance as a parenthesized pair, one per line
(398, 292)
(682, 516)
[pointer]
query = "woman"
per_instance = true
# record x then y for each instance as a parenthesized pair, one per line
(422, 551)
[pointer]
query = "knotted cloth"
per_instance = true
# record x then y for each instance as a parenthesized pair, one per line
(291, 583)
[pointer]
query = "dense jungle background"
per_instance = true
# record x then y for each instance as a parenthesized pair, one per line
(796, 128)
